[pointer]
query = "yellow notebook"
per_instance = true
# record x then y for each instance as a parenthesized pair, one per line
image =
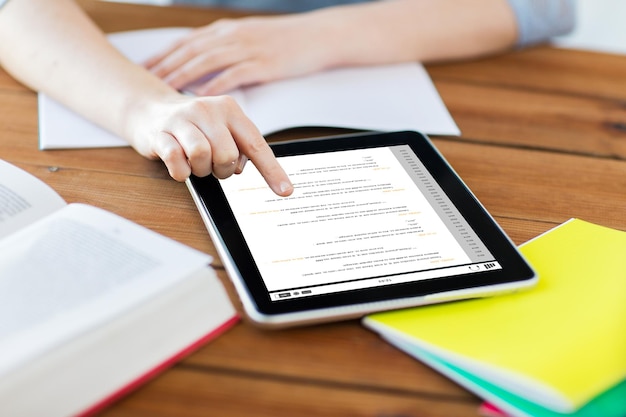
(558, 345)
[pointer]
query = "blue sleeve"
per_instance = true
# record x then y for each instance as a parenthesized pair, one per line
(539, 20)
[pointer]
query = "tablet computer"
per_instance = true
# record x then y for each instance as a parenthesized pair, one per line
(377, 221)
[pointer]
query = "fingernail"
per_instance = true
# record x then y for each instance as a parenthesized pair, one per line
(285, 186)
(241, 162)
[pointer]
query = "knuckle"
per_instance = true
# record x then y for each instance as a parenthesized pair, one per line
(225, 158)
(228, 101)
(195, 48)
(224, 21)
(257, 144)
(171, 154)
(201, 107)
(199, 152)
(178, 175)
(227, 104)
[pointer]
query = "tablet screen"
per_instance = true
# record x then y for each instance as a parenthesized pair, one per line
(357, 219)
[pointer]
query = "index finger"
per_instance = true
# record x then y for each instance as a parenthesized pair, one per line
(158, 57)
(260, 154)
(170, 49)
(187, 38)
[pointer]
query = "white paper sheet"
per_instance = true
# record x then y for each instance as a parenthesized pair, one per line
(385, 98)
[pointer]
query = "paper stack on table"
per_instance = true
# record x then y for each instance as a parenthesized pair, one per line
(556, 350)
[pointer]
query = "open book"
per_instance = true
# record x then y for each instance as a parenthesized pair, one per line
(556, 350)
(91, 304)
(382, 98)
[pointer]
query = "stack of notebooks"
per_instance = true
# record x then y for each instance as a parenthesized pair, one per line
(556, 350)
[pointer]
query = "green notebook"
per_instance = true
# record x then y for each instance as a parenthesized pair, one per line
(560, 346)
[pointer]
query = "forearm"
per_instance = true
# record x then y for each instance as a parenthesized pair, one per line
(415, 30)
(51, 46)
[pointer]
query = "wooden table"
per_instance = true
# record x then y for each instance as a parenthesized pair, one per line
(544, 139)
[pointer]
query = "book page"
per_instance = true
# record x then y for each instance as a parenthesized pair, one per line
(23, 199)
(382, 98)
(78, 268)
